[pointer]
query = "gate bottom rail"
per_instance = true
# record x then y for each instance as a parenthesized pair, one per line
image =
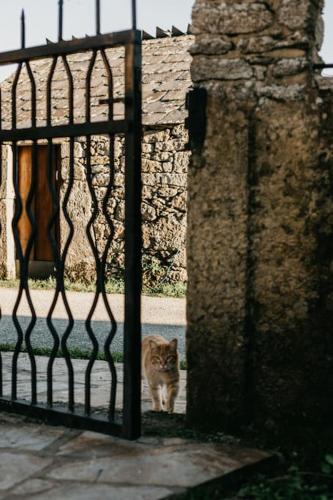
(56, 416)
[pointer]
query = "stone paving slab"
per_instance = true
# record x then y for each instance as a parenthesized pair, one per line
(41, 462)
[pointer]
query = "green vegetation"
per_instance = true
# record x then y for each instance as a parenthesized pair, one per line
(177, 290)
(293, 485)
(75, 353)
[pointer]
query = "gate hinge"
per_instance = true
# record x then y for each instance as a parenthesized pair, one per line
(196, 103)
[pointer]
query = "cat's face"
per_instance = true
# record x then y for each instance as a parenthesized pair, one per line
(164, 357)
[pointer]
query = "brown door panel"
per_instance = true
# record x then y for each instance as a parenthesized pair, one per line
(42, 205)
(24, 183)
(43, 209)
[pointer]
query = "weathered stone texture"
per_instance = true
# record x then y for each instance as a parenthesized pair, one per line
(219, 17)
(291, 362)
(217, 264)
(164, 191)
(260, 224)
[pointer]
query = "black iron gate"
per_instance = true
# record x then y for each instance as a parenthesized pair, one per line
(125, 422)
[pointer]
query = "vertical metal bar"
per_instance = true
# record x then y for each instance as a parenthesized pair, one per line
(60, 284)
(99, 280)
(14, 96)
(32, 237)
(25, 271)
(23, 29)
(18, 247)
(60, 20)
(1, 167)
(133, 243)
(134, 15)
(108, 219)
(98, 17)
(19, 253)
(50, 231)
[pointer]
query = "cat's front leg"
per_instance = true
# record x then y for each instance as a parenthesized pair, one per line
(156, 397)
(172, 393)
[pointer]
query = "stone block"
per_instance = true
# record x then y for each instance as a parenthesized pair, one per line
(230, 17)
(213, 67)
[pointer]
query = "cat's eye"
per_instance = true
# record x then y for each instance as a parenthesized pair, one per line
(155, 360)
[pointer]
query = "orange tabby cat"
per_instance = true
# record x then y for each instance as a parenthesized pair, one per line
(160, 364)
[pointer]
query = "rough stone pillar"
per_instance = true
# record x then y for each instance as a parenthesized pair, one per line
(260, 253)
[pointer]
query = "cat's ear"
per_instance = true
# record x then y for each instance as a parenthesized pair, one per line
(173, 344)
(152, 345)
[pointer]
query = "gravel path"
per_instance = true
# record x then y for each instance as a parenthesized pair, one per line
(165, 316)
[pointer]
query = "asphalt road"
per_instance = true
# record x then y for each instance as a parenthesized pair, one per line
(163, 316)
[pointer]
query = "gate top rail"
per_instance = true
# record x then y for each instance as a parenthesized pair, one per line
(62, 47)
(70, 47)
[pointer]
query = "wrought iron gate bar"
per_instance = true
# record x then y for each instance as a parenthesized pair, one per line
(128, 424)
(55, 416)
(98, 17)
(0, 167)
(1, 159)
(108, 219)
(323, 66)
(59, 131)
(98, 42)
(60, 279)
(56, 257)
(94, 213)
(133, 244)
(60, 19)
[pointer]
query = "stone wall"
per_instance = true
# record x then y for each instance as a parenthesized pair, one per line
(164, 183)
(260, 225)
(164, 192)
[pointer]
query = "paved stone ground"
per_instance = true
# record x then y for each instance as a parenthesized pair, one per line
(54, 463)
(164, 316)
(100, 382)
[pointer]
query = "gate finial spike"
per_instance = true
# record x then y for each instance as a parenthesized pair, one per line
(60, 20)
(23, 29)
(134, 19)
(98, 17)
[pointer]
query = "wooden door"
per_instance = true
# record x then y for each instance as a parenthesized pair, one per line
(41, 205)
